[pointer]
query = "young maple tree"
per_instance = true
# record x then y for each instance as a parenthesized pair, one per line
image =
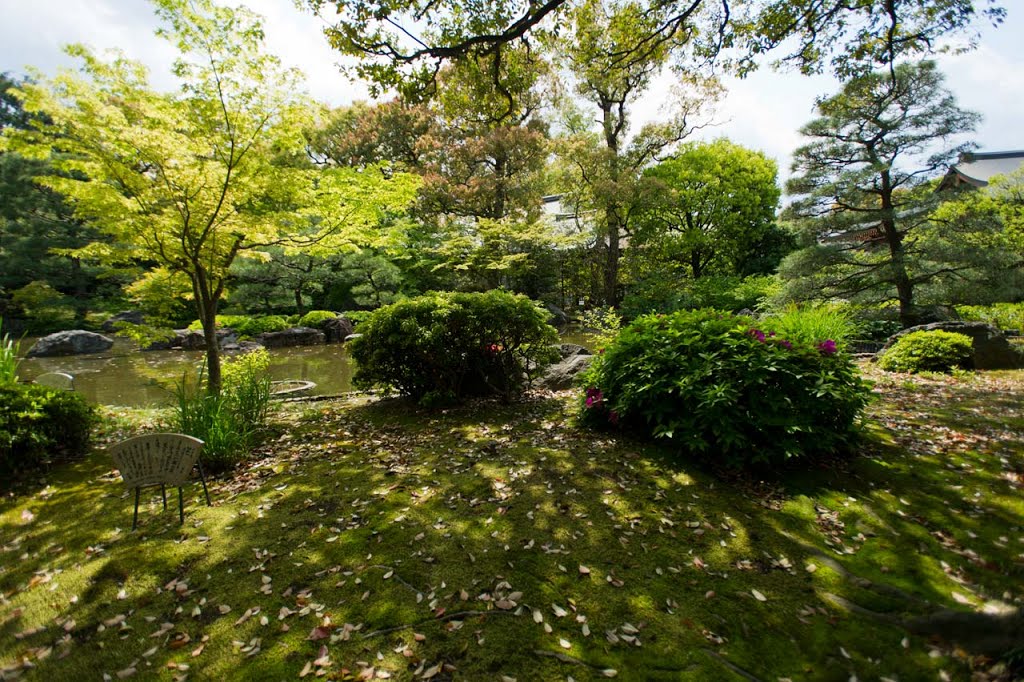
(194, 179)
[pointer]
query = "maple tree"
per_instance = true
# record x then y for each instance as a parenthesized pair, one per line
(192, 180)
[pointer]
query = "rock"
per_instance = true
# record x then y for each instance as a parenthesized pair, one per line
(558, 317)
(73, 342)
(129, 316)
(337, 330)
(240, 347)
(353, 336)
(992, 350)
(193, 339)
(930, 314)
(296, 336)
(567, 350)
(563, 375)
(161, 344)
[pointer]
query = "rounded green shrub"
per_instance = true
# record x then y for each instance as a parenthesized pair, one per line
(720, 387)
(928, 351)
(315, 318)
(247, 326)
(39, 424)
(443, 347)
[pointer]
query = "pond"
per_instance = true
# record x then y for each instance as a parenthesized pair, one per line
(126, 376)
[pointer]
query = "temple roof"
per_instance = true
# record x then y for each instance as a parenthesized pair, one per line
(977, 168)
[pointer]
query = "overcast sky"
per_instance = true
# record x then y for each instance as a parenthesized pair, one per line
(763, 112)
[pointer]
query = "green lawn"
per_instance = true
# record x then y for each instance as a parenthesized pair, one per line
(373, 540)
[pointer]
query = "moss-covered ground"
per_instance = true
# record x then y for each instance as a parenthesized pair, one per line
(373, 540)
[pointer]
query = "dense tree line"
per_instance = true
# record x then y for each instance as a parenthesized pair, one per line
(236, 191)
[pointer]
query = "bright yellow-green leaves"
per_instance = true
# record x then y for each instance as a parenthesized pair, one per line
(192, 179)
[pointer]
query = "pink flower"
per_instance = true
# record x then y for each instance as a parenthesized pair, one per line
(786, 344)
(827, 347)
(757, 334)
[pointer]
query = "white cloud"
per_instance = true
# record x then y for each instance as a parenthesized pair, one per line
(33, 33)
(763, 112)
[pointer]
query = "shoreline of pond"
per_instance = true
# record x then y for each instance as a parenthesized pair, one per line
(127, 376)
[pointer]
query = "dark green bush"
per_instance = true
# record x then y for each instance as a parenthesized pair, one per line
(720, 387)
(442, 347)
(39, 424)
(247, 326)
(315, 318)
(878, 330)
(928, 351)
(723, 292)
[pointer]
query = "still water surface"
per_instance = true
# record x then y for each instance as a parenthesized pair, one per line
(126, 376)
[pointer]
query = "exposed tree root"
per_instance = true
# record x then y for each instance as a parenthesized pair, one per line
(732, 666)
(991, 634)
(425, 621)
(983, 633)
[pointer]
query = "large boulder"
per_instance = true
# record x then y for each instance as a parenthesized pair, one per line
(129, 316)
(567, 350)
(193, 339)
(558, 317)
(337, 330)
(73, 342)
(240, 347)
(563, 375)
(992, 350)
(296, 336)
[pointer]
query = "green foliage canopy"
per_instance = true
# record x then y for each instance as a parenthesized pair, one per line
(190, 179)
(863, 193)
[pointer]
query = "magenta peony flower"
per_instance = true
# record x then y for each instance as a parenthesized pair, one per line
(827, 347)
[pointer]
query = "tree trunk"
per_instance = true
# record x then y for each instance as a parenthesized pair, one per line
(613, 223)
(206, 306)
(298, 301)
(611, 265)
(894, 240)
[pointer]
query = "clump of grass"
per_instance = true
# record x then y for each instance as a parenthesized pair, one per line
(229, 423)
(9, 360)
(811, 324)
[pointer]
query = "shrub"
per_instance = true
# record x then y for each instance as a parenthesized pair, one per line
(38, 424)
(1000, 315)
(604, 323)
(9, 360)
(808, 324)
(928, 351)
(246, 385)
(248, 327)
(443, 347)
(357, 317)
(878, 330)
(721, 387)
(316, 318)
(723, 292)
(229, 423)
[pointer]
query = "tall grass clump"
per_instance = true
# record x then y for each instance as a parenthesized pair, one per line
(808, 324)
(231, 422)
(9, 361)
(246, 385)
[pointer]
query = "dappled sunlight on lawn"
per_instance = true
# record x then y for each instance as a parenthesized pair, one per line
(373, 538)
